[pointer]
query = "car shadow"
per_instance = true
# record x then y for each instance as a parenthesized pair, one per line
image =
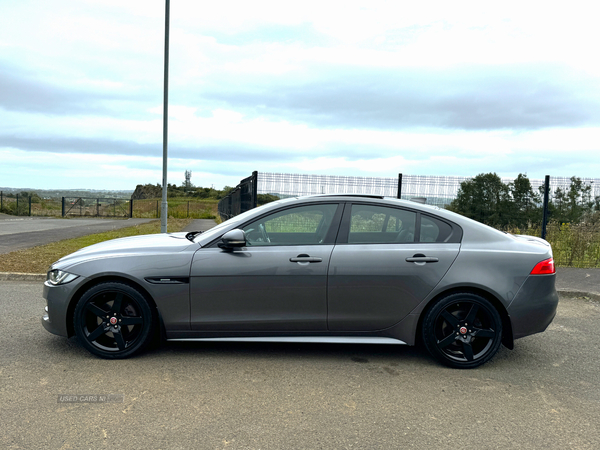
(312, 352)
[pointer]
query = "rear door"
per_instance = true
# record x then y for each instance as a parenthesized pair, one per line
(386, 261)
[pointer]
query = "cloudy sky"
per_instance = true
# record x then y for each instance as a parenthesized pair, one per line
(367, 88)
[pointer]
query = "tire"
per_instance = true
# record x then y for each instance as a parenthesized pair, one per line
(462, 330)
(114, 320)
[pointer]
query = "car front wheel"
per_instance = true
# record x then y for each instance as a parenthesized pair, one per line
(462, 330)
(113, 320)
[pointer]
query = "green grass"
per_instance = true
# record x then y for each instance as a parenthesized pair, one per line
(575, 245)
(179, 208)
(572, 245)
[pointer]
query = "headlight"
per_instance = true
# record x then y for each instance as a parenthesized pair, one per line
(57, 277)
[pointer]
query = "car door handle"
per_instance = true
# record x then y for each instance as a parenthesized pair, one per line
(306, 259)
(422, 259)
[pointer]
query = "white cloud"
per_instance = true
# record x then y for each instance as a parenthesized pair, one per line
(308, 86)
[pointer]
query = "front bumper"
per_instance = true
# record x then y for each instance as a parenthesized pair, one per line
(56, 313)
(534, 306)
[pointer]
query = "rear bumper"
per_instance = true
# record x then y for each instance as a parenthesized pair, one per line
(534, 306)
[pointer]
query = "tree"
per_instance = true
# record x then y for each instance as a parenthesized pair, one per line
(484, 198)
(525, 207)
(226, 191)
(266, 198)
(569, 206)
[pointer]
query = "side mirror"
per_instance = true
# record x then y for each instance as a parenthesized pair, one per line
(233, 239)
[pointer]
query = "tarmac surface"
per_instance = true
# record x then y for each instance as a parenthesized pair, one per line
(578, 282)
(240, 396)
(28, 232)
(18, 233)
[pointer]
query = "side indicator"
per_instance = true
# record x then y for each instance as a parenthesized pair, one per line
(161, 280)
(545, 267)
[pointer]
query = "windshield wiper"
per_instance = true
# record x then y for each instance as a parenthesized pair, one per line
(192, 234)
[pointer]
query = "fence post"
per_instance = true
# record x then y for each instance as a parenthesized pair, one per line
(131, 208)
(63, 207)
(1, 201)
(17, 204)
(546, 196)
(399, 185)
(29, 205)
(157, 209)
(188, 214)
(254, 189)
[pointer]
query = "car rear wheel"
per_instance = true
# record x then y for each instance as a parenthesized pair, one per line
(462, 330)
(113, 320)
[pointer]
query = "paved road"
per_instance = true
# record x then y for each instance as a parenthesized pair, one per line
(17, 233)
(544, 394)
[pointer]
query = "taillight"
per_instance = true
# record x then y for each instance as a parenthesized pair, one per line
(545, 267)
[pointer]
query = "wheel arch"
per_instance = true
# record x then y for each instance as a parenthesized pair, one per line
(107, 279)
(507, 333)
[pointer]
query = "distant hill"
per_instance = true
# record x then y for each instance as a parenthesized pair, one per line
(58, 193)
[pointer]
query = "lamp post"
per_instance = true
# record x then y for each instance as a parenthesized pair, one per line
(164, 210)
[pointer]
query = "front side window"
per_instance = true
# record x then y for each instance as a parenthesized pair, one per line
(304, 225)
(371, 224)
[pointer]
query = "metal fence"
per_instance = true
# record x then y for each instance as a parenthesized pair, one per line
(575, 242)
(292, 185)
(28, 205)
(243, 198)
(433, 190)
(95, 207)
(31, 205)
(441, 190)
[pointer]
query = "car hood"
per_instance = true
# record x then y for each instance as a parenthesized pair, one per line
(149, 244)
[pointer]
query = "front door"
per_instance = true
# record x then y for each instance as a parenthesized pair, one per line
(278, 282)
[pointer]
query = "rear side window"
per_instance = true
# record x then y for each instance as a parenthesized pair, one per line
(373, 224)
(434, 230)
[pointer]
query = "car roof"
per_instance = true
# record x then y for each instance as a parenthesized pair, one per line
(344, 195)
(384, 199)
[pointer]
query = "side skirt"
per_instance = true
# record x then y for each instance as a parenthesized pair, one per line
(300, 339)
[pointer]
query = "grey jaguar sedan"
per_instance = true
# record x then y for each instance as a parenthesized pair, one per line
(340, 269)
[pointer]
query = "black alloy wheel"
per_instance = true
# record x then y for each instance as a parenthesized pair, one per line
(113, 320)
(462, 330)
